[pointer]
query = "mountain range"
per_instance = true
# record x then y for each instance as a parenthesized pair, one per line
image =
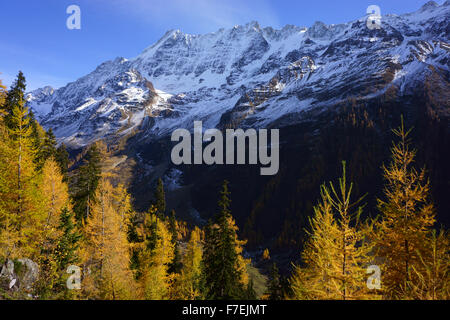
(335, 91)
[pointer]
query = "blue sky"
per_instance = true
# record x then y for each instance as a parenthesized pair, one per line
(35, 39)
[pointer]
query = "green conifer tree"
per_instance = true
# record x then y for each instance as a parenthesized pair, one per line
(66, 252)
(222, 269)
(274, 289)
(160, 199)
(86, 183)
(46, 150)
(62, 158)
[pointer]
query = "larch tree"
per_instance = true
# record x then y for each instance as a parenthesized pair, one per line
(26, 213)
(2, 95)
(432, 274)
(156, 258)
(314, 280)
(188, 285)
(338, 250)
(106, 252)
(55, 199)
(175, 265)
(407, 216)
(8, 198)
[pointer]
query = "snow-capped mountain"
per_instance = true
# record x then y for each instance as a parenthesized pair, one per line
(246, 75)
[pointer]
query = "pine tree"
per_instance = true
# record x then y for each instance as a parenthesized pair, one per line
(250, 293)
(338, 250)
(62, 158)
(274, 289)
(407, 216)
(160, 199)
(66, 252)
(37, 137)
(47, 149)
(86, 182)
(14, 97)
(224, 268)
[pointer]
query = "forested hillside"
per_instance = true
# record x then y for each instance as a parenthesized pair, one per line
(64, 220)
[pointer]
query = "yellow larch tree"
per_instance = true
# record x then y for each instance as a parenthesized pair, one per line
(188, 282)
(26, 212)
(338, 250)
(433, 272)
(55, 199)
(106, 253)
(406, 220)
(155, 258)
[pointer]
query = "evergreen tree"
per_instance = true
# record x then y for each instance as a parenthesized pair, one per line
(86, 182)
(160, 199)
(407, 218)
(224, 269)
(47, 149)
(250, 293)
(67, 252)
(62, 158)
(37, 137)
(274, 289)
(14, 97)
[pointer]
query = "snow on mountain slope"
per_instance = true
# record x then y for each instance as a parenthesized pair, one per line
(246, 75)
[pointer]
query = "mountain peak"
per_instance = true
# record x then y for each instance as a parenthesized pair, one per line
(253, 24)
(429, 5)
(319, 30)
